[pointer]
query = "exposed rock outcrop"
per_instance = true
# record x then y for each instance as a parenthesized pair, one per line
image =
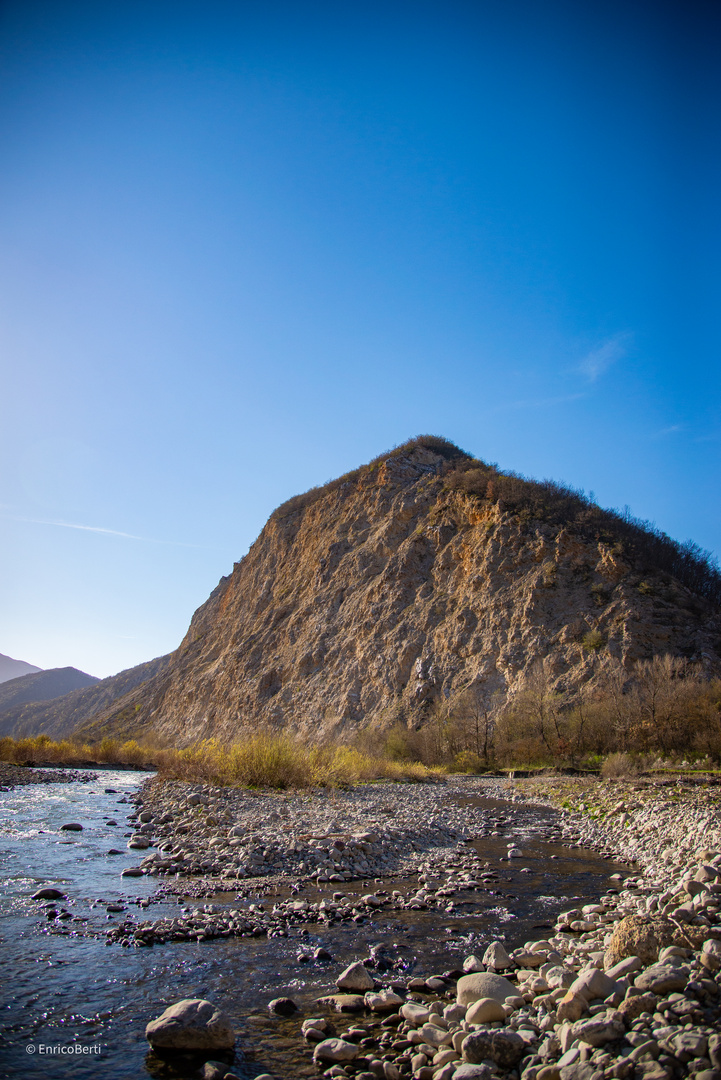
(399, 585)
(395, 587)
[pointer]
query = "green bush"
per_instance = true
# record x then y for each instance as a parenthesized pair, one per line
(593, 641)
(467, 762)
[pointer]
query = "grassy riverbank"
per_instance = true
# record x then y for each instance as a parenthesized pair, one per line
(270, 760)
(262, 760)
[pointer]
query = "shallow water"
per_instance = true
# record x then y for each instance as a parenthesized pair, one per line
(82, 1006)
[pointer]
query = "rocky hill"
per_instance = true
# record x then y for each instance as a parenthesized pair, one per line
(50, 714)
(42, 686)
(14, 669)
(403, 583)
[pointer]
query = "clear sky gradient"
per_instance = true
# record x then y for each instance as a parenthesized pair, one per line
(245, 247)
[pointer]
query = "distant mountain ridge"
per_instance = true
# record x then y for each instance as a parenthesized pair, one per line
(61, 715)
(14, 669)
(43, 686)
(388, 591)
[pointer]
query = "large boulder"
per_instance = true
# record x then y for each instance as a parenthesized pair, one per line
(191, 1024)
(335, 1050)
(642, 936)
(593, 983)
(485, 1011)
(662, 979)
(483, 984)
(502, 1045)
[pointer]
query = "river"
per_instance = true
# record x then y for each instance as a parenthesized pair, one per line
(74, 1007)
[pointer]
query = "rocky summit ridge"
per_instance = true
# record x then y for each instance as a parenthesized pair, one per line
(407, 581)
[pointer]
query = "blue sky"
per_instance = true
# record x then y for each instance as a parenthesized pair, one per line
(246, 247)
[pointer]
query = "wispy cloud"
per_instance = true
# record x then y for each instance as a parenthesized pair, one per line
(539, 403)
(98, 529)
(673, 429)
(598, 361)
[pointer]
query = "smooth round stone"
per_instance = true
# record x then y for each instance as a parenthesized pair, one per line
(483, 984)
(485, 1011)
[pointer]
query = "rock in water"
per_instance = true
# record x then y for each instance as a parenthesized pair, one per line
(355, 977)
(191, 1024)
(72, 826)
(48, 894)
(282, 1006)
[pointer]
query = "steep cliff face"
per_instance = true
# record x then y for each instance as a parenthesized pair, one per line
(393, 587)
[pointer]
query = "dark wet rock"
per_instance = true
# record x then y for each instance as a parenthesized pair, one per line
(72, 826)
(48, 894)
(282, 1006)
(215, 1070)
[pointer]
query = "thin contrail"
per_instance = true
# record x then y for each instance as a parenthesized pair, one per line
(100, 529)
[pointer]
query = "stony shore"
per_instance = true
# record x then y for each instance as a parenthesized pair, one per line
(628, 987)
(12, 776)
(209, 840)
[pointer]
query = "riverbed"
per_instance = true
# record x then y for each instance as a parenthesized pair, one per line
(76, 1006)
